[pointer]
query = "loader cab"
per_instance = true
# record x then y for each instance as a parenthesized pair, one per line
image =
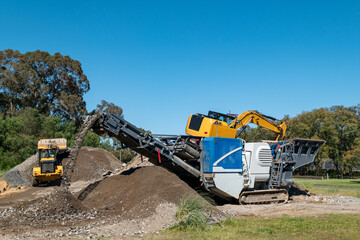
(47, 154)
(48, 160)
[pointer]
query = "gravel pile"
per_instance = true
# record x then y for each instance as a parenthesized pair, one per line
(92, 163)
(21, 175)
(59, 207)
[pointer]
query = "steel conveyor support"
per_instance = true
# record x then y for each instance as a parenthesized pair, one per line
(146, 144)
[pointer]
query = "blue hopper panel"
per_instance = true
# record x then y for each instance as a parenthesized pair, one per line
(214, 154)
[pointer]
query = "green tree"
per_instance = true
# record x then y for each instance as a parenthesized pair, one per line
(251, 134)
(53, 84)
(337, 125)
(19, 135)
(108, 107)
(352, 157)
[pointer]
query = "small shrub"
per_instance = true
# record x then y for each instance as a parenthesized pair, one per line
(191, 214)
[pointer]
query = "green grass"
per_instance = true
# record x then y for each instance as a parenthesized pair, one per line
(191, 214)
(328, 227)
(2, 172)
(344, 187)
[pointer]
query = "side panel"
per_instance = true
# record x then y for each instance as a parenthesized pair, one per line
(222, 167)
(261, 161)
(222, 155)
(228, 184)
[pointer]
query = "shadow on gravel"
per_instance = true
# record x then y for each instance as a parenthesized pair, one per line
(296, 190)
(130, 171)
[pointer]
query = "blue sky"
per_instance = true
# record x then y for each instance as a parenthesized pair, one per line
(163, 60)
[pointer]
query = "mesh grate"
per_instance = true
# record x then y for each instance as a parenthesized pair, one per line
(47, 167)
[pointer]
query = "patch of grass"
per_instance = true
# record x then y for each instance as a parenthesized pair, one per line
(345, 187)
(331, 182)
(329, 227)
(2, 172)
(191, 214)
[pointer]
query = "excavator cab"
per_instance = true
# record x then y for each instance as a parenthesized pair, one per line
(225, 125)
(212, 125)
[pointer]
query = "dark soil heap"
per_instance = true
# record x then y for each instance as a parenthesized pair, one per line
(90, 165)
(137, 194)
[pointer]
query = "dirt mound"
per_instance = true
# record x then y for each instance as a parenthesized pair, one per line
(138, 161)
(3, 186)
(137, 193)
(55, 207)
(92, 163)
(57, 204)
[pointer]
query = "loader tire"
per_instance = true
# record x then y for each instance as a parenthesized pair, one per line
(58, 182)
(35, 183)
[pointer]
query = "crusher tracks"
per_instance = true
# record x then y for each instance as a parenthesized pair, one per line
(264, 196)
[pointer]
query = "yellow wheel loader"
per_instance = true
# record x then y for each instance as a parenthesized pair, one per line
(50, 169)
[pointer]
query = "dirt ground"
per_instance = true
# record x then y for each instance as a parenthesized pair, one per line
(111, 209)
(129, 200)
(108, 198)
(299, 206)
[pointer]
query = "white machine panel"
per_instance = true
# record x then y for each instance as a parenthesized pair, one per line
(260, 161)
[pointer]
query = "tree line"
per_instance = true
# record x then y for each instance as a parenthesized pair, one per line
(42, 96)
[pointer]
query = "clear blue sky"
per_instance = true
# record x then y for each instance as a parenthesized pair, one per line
(163, 60)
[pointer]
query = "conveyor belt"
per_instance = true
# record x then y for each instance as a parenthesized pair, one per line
(178, 153)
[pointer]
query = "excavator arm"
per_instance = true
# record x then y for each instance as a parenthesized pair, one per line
(279, 127)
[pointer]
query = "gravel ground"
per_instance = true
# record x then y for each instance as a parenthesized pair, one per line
(299, 206)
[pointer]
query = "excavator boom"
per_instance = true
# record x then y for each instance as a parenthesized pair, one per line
(262, 120)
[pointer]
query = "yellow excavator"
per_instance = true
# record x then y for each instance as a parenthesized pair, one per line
(228, 126)
(50, 168)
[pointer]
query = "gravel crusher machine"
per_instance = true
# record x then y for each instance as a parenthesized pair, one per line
(213, 155)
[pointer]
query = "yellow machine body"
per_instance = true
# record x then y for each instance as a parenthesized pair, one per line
(47, 177)
(204, 126)
(49, 168)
